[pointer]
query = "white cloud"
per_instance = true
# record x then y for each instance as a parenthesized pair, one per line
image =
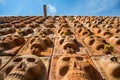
(52, 8)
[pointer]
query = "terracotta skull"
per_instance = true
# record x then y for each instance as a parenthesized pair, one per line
(25, 67)
(68, 43)
(10, 42)
(71, 68)
(39, 43)
(65, 31)
(111, 66)
(44, 31)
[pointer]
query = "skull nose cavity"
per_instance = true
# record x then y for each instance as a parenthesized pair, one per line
(38, 45)
(74, 65)
(21, 66)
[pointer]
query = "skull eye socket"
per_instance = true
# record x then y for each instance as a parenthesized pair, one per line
(61, 41)
(101, 46)
(84, 33)
(31, 59)
(32, 41)
(17, 60)
(66, 59)
(99, 31)
(64, 70)
(114, 59)
(36, 36)
(80, 29)
(91, 42)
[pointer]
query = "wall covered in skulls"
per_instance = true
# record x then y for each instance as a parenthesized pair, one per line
(60, 48)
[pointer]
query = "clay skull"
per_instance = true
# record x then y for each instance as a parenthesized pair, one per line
(39, 43)
(71, 68)
(44, 31)
(10, 42)
(65, 31)
(25, 67)
(69, 43)
(111, 66)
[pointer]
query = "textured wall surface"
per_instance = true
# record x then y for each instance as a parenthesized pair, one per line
(60, 48)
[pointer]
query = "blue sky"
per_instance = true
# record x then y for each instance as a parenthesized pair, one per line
(60, 7)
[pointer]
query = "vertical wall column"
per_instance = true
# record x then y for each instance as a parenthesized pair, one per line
(45, 10)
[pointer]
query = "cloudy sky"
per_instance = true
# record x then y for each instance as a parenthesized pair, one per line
(60, 7)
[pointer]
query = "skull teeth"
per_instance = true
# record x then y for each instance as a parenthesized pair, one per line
(17, 75)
